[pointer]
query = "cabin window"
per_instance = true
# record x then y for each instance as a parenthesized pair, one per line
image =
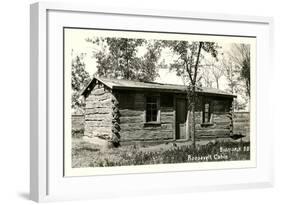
(206, 113)
(152, 109)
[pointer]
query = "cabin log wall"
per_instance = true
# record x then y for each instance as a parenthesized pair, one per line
(132, 119)
(98, 113)
(220, 125)
(121, 114)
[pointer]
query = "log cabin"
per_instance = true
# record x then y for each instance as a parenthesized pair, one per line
(131, 111)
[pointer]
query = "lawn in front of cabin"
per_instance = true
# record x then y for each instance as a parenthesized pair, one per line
(85, 154)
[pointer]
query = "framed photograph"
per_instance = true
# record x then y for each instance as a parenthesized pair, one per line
(123, 97)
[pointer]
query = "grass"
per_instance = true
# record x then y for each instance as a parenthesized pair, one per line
(89, 155)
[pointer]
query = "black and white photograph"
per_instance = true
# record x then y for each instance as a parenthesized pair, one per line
(138, 98)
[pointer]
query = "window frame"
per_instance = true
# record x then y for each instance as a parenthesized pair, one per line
(157, 96)
(204, 113)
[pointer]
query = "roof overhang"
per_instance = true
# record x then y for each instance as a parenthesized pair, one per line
(111, 86)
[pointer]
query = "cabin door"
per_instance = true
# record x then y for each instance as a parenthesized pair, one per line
(181, 111)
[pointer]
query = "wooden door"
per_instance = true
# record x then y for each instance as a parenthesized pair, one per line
(181, 111)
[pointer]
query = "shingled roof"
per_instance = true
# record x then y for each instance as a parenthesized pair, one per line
(116, 84)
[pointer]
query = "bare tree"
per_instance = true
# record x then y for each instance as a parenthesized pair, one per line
(232, 74)
(206, 78)
(216, 70)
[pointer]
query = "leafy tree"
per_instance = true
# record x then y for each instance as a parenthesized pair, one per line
(240, 54)
(79, 79)
(105, 64)
(124, 50)
(190, 55)
(148, 69)
(118, 58)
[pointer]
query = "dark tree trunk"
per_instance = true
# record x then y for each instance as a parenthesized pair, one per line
(193, 93)
(193, 116)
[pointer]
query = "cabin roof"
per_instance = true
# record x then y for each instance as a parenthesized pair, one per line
(116, 84)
